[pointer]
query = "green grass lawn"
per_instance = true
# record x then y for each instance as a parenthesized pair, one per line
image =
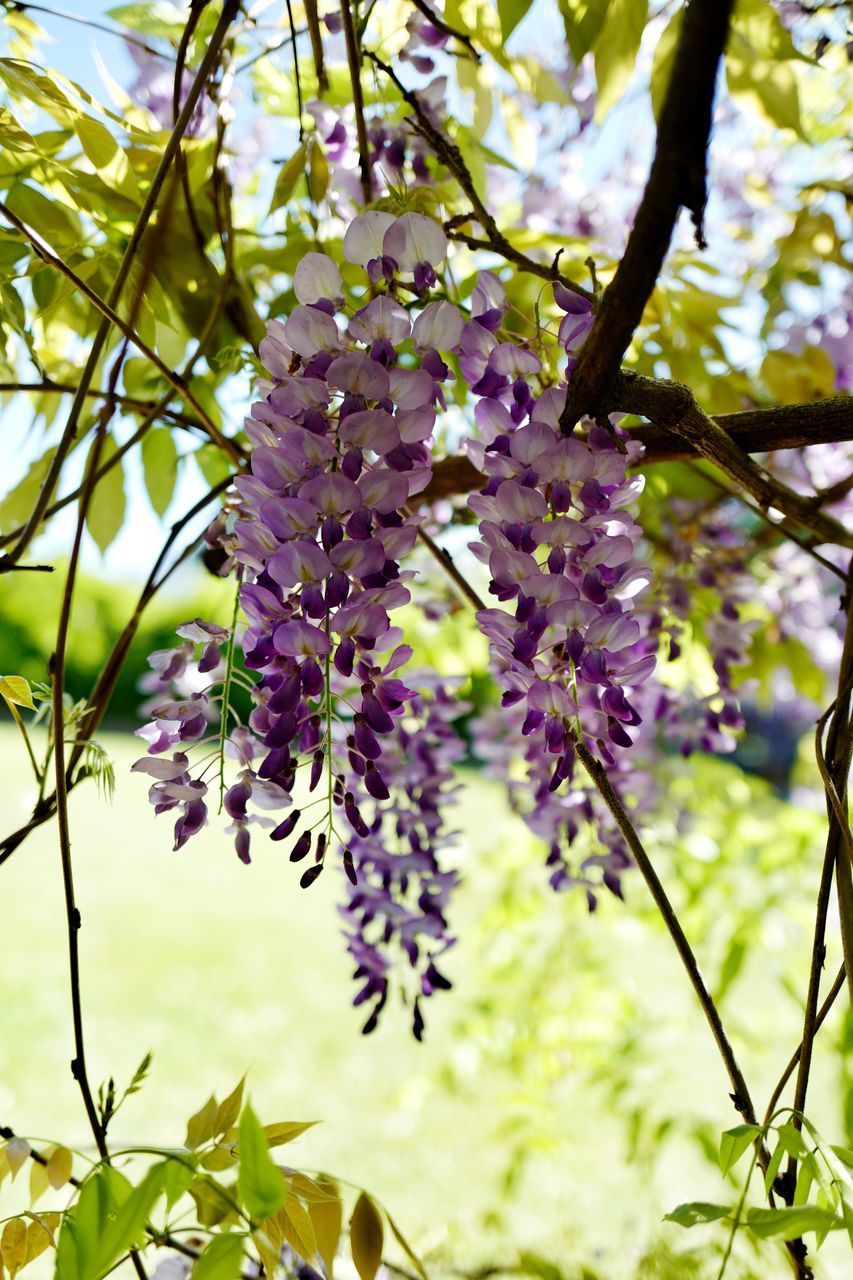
(221, 969)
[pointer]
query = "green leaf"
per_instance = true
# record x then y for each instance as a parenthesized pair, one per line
(82, 1229)
(53, 221)
(366, 1237)
(288, 176)
(229, 1110)
(16, 689)
(221, 1260)
(210, 1205)
(105, 515)
(160, 468)
(734, 1142)
(662, 61)
(159, 19)
(327, 1220)
(616, 52)
(285, 1131)
(12, 136)
(793, 1222)
(177, 1180)
(406, 1247)
(212, 463)
(98, 143)
(767, 85)
(696, 1213)
(126, 1228)
(260, 1184)
(201, 1127)
(583, 21)
(511, 12)
(18, 503)
(298, 1228)
(318, 171)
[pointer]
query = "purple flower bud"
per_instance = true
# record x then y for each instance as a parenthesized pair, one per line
(349, 868)
(374, 783)
(313, 680)
(344, 656)
(241, 844)
(337, 590)
(317, 763)
(331, 531)
(313, 604)
(308, 877)
(284, 829)
(302, 847)
(365, 741)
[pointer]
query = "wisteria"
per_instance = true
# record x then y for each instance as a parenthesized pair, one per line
(341, 749)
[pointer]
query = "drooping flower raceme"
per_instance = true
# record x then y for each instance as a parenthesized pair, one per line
(399, 896)
(339, 448)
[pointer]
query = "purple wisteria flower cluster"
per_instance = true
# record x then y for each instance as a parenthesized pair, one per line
(568, 649)
(340, 445)
(401, 893)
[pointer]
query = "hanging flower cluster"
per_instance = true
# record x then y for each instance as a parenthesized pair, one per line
(559, 542)
(399, 894)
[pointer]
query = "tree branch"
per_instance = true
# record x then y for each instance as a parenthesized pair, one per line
(450, 155)
(354, 63)
(795, 426)
(677, 178)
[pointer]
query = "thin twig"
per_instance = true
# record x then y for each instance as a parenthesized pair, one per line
(48, 256)
(354, 63)
(441, 25)
(831, 997)
(450, 155)
(312, 17)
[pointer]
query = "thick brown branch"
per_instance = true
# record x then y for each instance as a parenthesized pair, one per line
(673, 407)
(676, 179)
(794, 426)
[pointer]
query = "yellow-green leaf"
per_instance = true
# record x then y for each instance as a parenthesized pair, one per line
(288, 176)
(318, 171)
(296, 1224)
(13, 1245)
(17, 1152)
(662, 61)
(511, 12)
(98, 143)
(17, 690)
(40, 1233)
(278, 1134)
(260, 1183)
(616, 51)
(792, 379)
(327, 1220)
(221, 1260)
(366, 1237)
(105, 515)
(59, 1167)
(160, 468)
(406, 1247)
(39, 1182)
(202, 1126)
